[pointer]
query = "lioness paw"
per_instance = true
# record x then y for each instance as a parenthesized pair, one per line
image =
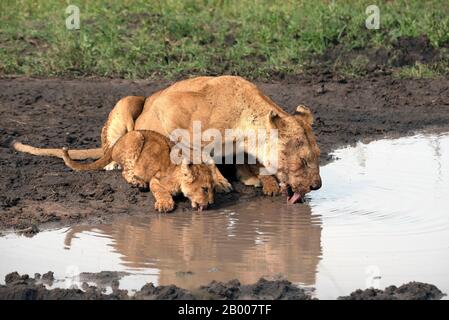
(270, 186)
(164, 205)
(223, 186)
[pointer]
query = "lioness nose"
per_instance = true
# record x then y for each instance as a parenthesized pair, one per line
(316, 185)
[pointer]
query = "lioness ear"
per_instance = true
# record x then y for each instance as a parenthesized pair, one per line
(272, 119)
(305, 114)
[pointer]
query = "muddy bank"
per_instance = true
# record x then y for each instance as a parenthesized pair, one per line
(22, 287)
(37, 192)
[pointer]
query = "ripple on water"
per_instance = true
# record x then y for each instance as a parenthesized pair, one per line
(396, 186)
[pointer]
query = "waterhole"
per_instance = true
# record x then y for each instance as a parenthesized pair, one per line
(381, 218)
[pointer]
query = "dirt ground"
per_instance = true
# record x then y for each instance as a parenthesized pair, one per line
(38, 192)
(23, 287)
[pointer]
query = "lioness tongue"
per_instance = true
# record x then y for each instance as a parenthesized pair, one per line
(294, 198)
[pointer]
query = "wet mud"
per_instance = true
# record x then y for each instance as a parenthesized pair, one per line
(22, 287)
(40, 192)
(409, 291)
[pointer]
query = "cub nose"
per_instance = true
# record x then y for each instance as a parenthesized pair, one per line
(316, 185)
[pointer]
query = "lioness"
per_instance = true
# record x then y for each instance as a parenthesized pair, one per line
(230, 102)
(145, 158)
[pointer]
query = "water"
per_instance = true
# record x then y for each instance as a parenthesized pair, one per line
(381, 218)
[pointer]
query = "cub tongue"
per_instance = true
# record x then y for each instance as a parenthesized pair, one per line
(294, 198)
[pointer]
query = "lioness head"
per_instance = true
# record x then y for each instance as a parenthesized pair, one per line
(298, 153)
(197, 184)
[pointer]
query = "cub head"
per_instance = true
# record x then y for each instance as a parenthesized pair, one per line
(197, 184)
(298, 153)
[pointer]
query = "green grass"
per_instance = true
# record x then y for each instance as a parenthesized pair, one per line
(176, 38)
(420, 71)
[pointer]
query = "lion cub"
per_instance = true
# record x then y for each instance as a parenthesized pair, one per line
(145, 158)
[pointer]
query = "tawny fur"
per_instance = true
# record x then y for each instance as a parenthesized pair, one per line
(74, 154)
(121, 120)
(145, 159)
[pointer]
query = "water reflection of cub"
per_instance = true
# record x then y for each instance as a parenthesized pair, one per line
(246, 241)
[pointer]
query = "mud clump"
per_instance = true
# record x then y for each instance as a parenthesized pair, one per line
(8, 202)
(171, 292)
(95, 191)
(410, 291)
(231, 290)
(49, 276)
(409, 50)
(261, 290)
(22, 287)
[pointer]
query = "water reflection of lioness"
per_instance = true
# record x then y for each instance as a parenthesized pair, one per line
(244, 242)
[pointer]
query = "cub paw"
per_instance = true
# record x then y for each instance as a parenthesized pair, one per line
(164, 205)
(112, 166)
(270, 187)
(251, 181)
(140, 184)
(223, 186)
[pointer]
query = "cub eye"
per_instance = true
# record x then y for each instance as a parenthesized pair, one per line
(205, 189)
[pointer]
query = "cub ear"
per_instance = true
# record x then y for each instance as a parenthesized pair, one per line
(186, 170)
(273, 119)
(304, 114)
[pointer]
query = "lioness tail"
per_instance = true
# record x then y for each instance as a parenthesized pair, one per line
(74, 154)
(97, 165)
